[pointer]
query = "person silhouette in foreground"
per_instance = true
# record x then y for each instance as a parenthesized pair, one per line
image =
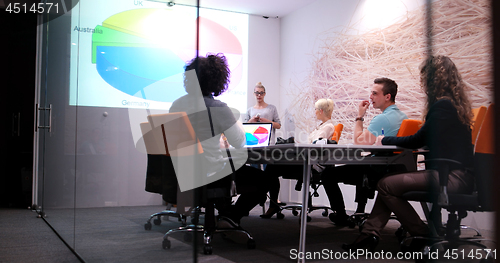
(216, 127)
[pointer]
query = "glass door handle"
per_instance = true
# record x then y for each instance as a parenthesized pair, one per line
(16, 124)
(37, 126)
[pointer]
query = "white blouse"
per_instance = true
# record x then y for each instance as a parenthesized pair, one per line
(324, 131)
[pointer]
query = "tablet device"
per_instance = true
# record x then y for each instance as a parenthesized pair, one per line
(257, 134)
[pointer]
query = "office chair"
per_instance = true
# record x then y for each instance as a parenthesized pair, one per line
(165, 186)
(477, 120)
(184, 142)
(160, 175)
(457, 205)
(338, 131)
(408, 127)
(314, 184)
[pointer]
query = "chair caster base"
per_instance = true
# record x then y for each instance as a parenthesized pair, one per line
(166, 244)
(207, 250)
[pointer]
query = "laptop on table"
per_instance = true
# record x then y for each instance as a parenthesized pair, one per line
(257, 134)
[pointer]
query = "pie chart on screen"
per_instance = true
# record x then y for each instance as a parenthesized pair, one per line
(259, 135)
(137, 48)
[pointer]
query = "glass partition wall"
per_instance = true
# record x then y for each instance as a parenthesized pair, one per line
(103, 67)
(56, 126)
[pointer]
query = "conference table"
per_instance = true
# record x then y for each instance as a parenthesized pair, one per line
(327, 154)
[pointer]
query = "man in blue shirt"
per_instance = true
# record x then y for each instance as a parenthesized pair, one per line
(383, 97)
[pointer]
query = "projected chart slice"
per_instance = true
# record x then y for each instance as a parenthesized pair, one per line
(111, 37)
(225, 40)
(131, 69)
(260, 135)
(135, 49)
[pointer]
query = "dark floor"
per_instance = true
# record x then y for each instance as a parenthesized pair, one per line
(26, 238)
(117, 234)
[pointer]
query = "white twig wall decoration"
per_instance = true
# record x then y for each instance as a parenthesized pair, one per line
(345, 67)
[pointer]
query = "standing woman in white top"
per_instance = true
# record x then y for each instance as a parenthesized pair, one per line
(323, 109)
(263, 112)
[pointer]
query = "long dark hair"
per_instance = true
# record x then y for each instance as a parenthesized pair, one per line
(440, 79)
(212, 72)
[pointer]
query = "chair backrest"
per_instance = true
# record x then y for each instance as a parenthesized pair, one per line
(477, 120)
(338, 131)
(153, 139)
(177, 133)
(484, 153)
(173, 135)
(409, 127)
(485, 138)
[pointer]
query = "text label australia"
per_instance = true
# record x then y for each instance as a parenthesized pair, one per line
(87, 30)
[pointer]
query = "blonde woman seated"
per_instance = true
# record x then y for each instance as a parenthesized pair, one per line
(323, 110)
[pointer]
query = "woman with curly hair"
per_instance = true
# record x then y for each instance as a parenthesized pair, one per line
(206, 78)
(447, 134)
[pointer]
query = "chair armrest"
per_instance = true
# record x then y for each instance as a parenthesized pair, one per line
(443, 168)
